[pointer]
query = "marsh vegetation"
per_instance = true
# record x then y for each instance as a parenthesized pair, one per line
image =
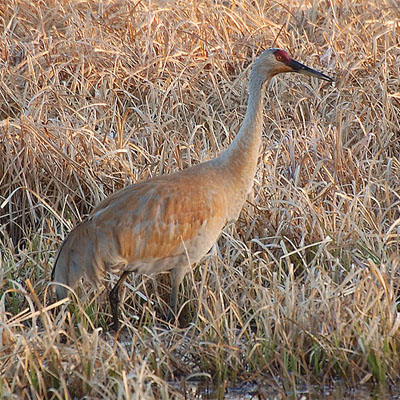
(301, 292)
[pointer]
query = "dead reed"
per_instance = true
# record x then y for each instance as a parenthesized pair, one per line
(304, 287)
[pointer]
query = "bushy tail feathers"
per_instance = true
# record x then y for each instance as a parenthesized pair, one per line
(64, 270)
(75, 259)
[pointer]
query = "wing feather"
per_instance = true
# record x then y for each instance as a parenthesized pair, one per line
(150, 226)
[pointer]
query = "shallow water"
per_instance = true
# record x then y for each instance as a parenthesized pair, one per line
(193, 389)
(248, 391)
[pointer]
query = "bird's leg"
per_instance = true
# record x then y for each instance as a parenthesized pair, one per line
(177, 275)
(114, 299)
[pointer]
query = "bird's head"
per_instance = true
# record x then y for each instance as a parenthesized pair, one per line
(276, 61)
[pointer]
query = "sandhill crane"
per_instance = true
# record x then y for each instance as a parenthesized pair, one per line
(168, 223)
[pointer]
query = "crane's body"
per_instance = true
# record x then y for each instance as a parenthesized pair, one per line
(170, 222)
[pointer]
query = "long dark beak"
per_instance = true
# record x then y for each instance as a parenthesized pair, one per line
(302, 69)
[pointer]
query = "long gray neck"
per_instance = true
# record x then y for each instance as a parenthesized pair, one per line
(242, 154)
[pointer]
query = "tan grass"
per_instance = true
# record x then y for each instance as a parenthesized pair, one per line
(304, 287)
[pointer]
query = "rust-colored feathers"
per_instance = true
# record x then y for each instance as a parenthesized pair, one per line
(170, 222)
(155, 225)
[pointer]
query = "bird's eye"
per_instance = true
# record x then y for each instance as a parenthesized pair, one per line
(279, 58)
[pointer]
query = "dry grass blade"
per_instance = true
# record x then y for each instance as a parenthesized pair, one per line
(97, 95)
